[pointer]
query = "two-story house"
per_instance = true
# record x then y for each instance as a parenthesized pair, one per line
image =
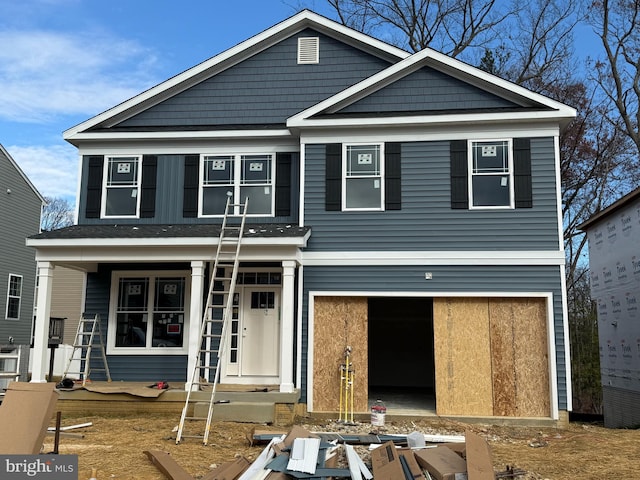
(404, 205)
(20, 212)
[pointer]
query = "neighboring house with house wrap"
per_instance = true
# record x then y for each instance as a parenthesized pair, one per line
(20, 212)
(405, 205)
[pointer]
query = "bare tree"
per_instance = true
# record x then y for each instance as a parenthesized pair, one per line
(57, 213)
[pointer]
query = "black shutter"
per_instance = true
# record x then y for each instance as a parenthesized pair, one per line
(522, 172)
(333, 177)
(191, 178)
(459, 174)
(149, 174)
(283, 184)
(94, 187)
(392, 176)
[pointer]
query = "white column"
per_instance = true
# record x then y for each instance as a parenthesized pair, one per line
(287, 327)
(195, 317)
(39, 367)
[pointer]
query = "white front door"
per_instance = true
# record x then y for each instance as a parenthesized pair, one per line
(254, 339)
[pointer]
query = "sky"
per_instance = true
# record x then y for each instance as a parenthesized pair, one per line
(65, 61)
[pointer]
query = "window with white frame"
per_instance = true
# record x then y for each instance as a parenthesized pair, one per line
(14, 297)
(149, 312)
(122, 186)
(238, 177)
(491, 179)
(363, 179)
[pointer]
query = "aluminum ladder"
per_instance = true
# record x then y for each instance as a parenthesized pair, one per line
(216, 318)
(88, 336)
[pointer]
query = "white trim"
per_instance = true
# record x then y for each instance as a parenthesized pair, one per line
(116, 275)
(436, 257)
(556, 149)
(164, 241)
(180, 135)
(344, 174)
(566, 337)
(19, 297)
(300, 294)
(553, 379)
(105, 188)
(471, 174)
(302, 181)
(226, 59)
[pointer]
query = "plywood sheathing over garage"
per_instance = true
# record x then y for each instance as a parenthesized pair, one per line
(339, 322)
(491, 357)
(462, 356)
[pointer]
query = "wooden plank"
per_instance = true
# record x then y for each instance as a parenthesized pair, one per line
(462, 356)
(339, 322)
(167, 465)
(502, 357)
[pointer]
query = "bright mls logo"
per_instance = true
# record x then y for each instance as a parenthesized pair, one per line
(51, 467)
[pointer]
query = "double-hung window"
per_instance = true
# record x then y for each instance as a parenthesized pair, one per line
(14, 296)
(363, 177)
(122, 186)
(150, 312)
(491, 179)
(238, 177)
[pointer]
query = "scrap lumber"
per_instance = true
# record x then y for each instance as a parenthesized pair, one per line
(167, 465)
(263, 459)
(26, 411)
(228, 470)
(357, 468)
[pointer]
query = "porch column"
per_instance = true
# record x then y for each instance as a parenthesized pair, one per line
(39, 367)
(286, 327)
(195, 317)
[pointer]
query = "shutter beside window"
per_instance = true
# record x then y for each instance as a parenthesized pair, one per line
(94, 186)
(522, 172)
(149, 174)
(283, 184)
(190, 199)
(333, 177)
(392, 176)
(459, 172)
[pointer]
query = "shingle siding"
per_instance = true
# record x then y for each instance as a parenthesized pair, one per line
(426, 221)
(266, 88)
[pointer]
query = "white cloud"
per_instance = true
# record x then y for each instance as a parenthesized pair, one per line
(48, 74)
(53, 169)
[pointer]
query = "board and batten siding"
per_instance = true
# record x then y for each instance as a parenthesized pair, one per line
(426, 220)
(266, 88)
(459, 278)
(169, 198)
(130, 368)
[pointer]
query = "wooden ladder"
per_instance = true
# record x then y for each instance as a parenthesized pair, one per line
(88, 336)
(216, 318)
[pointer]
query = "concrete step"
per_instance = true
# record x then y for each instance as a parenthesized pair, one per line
(250, 412)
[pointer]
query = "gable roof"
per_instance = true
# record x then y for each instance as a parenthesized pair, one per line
(604, 214)
(4, 153)
(535, 106)
(188, 78)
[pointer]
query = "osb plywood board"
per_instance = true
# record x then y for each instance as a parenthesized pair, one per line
(519, 357)
(462, 357)
(339, 322)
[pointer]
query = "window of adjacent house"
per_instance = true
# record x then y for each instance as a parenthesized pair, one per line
(14, 296)
(491, 182)
(122, 187)
(238, 177)
(363, 177)
(150, 312)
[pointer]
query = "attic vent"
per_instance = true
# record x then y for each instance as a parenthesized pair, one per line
(308, 50)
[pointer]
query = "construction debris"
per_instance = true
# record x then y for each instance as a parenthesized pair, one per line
(305, 455)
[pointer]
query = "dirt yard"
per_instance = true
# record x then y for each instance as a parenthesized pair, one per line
(115, 446)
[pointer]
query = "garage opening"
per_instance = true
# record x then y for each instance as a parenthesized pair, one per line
(401, 353)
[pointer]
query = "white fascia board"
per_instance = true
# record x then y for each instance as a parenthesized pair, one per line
(180, 135)
(243, 50)
(386, 258)
(412, 63)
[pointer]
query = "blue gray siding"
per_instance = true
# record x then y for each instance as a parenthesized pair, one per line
(266, 88)
(427, 90)
(426, 220)
(131, 368)
(20, 209)
(170, 198)
(471, 278)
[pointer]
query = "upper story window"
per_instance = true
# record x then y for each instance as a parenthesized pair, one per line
(363, 177)
(491, 179)
(121, 194)
(14, 296)
(238, 177)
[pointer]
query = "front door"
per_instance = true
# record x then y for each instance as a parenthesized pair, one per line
(253, 348)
